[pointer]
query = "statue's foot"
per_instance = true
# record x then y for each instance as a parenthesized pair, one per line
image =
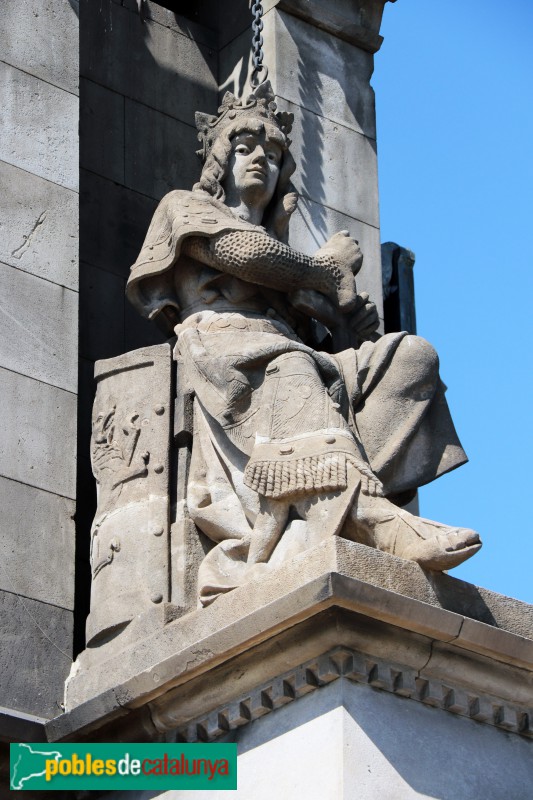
(435, 546)
(444, 550)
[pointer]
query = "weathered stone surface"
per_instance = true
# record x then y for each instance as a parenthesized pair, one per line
(156, 55)
(381, 590)
(35, 656)
(38, 226)
(21, 727)
(312, 224)
(452, 665)
(487, 639)
(139, 332)
(38, 129)
(101, 313)
(162, 157)
(38, 320)
(113, 221)
(111, 215)
(38, 434)
(102, 130)
(309, 68)
(27, 24)
(349, 741)
(357, 23)
(484, 605)
(335, 81)
(131, 426)
(34, 563)
(195, 30)
(337, 167)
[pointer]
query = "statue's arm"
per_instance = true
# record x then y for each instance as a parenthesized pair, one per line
(258, 258)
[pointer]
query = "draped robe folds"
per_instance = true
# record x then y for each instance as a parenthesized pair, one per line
(276, 421)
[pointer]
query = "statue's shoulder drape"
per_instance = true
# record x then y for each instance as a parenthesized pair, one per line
(179, 214)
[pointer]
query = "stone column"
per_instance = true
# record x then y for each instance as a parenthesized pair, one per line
(38, 351)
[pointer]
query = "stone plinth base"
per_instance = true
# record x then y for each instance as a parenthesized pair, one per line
(347, 673)
(347, 741)
(340, 610)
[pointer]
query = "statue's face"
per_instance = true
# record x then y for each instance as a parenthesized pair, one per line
(253, 168)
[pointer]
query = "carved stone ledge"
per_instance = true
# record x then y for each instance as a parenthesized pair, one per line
(262, 646)
(355, 22)
(342, 663)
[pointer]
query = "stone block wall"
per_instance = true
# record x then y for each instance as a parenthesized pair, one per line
(38, 349)
(141, 80)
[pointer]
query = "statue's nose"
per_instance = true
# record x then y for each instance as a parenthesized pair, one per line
(259, 154)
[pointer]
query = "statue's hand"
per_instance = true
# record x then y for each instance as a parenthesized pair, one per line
(364, 319)
(344, 250)
(357, 326)
(341, 258)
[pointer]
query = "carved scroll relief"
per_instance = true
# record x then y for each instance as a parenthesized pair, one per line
(130, 446)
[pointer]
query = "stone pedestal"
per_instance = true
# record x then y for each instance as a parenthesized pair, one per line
(354, 742)
(347, 673)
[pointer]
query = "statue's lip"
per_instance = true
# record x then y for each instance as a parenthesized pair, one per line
(257, 169)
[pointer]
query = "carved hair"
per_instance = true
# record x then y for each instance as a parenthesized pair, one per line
(216, 166)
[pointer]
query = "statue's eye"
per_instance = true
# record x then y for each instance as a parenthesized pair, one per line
(272, 156)
(243, 149)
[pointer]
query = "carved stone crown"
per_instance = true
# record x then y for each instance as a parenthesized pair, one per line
(259, 105)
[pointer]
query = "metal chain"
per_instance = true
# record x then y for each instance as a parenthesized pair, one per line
(259, 69)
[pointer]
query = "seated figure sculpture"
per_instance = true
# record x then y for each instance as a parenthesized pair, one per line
(291, 444)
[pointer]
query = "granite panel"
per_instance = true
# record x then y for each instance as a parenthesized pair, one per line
(38, 127)
(309, 68)
(321, 73)
(158, 65)
(159, 152)
(38, 226)
(113, 223)
(336, 166)
(38, 434)
(38, 328)
(102, 130)
(37, 544)
(36, 654)
(26, 24)
(101, 313)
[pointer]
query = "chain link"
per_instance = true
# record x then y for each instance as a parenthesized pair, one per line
(259, 69)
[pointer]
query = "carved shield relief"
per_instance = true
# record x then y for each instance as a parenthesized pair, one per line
(130, 447)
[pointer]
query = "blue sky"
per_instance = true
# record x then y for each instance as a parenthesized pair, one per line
(453, 83)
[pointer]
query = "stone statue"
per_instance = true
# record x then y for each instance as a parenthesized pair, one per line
(307, 424)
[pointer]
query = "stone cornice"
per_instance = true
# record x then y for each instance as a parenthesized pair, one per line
(339, 594)
(342, 663)
(355, 22)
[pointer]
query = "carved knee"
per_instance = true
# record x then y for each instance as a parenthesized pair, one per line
(418, 361)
